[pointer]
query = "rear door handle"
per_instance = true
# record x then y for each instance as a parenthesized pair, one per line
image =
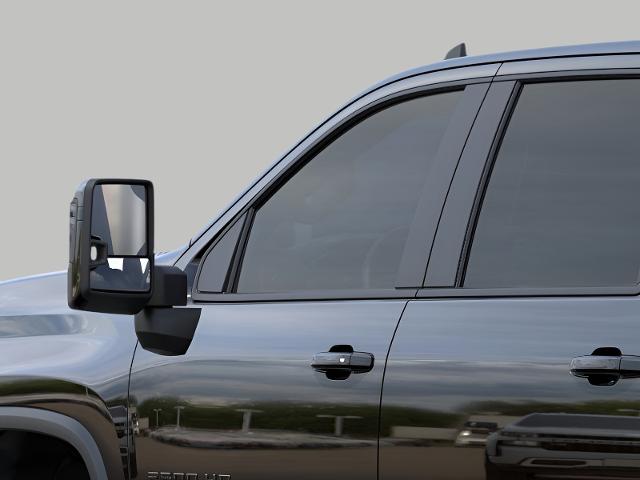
(605, 366)
(342, 357)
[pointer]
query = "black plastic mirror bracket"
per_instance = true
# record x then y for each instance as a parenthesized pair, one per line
(161, 328)
(166, 330)
(169, 287)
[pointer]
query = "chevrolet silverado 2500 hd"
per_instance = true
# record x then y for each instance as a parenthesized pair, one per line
(438, 282)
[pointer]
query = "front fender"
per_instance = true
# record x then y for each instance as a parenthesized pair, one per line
(68, 362)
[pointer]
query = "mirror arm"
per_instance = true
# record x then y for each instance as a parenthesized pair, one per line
(160, 328)
(166, 330)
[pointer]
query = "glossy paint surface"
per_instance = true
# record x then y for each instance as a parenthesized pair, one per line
(67, 361)
(475, 380)
(255, 359)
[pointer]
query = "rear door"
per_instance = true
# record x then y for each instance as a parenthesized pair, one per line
(517, 359)
(301, 291)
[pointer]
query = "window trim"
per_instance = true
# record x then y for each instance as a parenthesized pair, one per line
(246, 219)
(483, 185)
(305, 295)
(443, 266)
(500, 292)
(411, 272)
(478, 181)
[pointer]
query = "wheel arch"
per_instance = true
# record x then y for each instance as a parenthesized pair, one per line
(59, 426)
(73, 413)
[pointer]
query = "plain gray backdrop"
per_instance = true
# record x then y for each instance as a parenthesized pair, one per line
(201, 96)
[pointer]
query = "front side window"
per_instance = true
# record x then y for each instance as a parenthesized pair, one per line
(341, 222)
(562, 207)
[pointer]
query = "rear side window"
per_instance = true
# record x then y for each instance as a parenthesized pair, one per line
(562, 207)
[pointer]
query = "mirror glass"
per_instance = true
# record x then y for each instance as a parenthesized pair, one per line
(118, 218)
(119, 232)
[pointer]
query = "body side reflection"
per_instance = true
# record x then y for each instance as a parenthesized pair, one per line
(496, 373)
(245, 400)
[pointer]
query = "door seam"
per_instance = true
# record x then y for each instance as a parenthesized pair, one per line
(384, 371)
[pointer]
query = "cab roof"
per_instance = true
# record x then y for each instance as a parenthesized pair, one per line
(611, 48)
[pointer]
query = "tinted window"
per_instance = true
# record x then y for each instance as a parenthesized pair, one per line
(341, 222)
(562, 206)
(217, 262)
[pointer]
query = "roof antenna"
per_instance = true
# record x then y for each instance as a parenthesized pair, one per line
(458, 51)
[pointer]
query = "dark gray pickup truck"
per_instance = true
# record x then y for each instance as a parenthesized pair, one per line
(440, 281)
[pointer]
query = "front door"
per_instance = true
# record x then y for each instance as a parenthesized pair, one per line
(300, 298)
(526, 367)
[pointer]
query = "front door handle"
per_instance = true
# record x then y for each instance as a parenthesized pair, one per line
(605, 366)
(355, 362)
(342, 359)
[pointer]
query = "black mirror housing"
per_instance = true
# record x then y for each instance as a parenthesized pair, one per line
(112, 269)
(111, 260)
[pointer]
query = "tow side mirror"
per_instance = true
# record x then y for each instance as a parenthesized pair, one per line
(111, 263)
(112, 270)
